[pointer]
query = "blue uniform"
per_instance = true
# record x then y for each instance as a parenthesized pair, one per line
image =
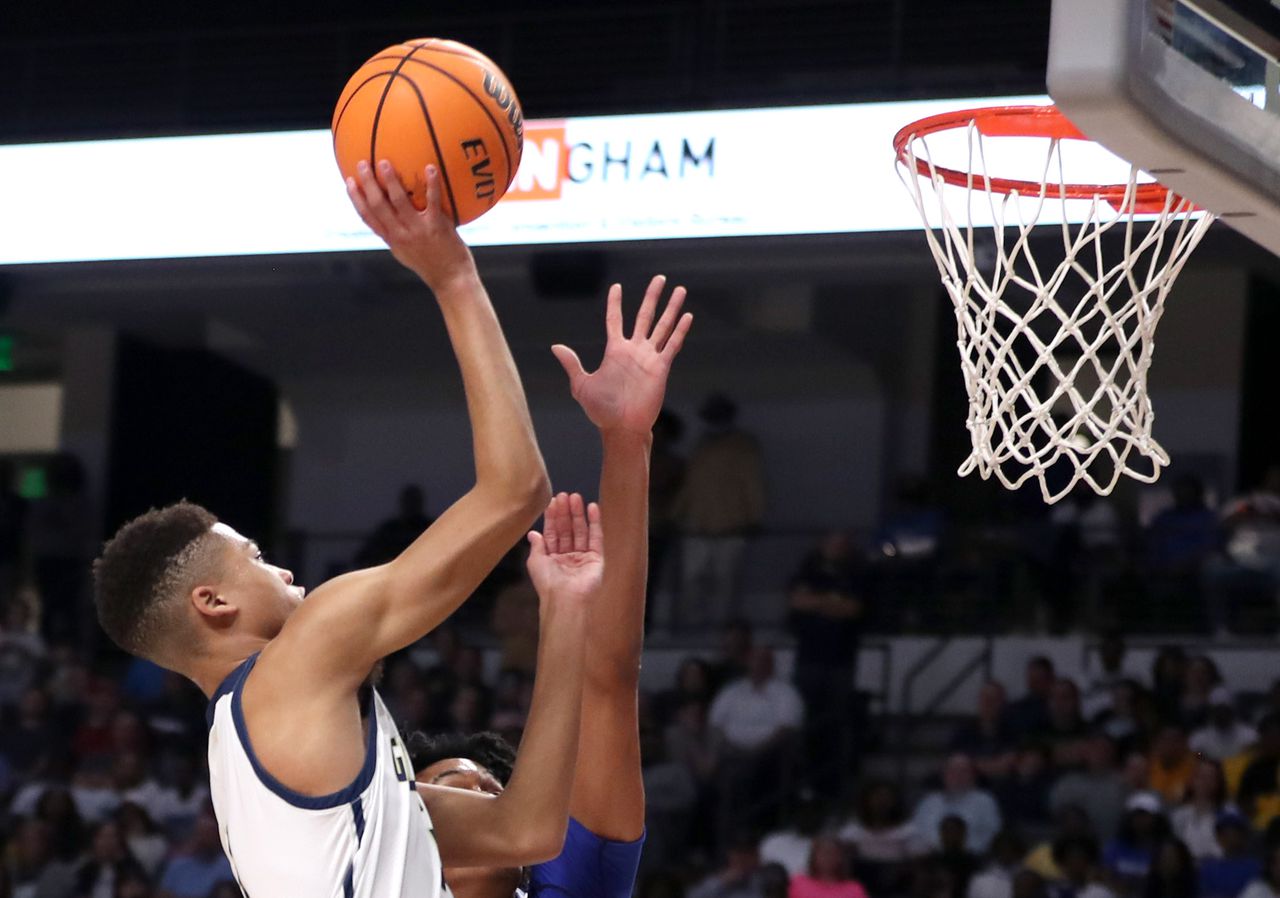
(588, 867)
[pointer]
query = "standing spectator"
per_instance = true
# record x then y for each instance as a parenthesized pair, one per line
(1128, 857)
(1173, 873)
(1223, 735)
(720, 504)
(196, 869)
(988, 738)
(666, 477)
(1100, 788)
(60, 544)
(1227, 875)
(1172, 764)
(827, 604)
(829, 873)
(1196, 822)
(959, 797)
(759, 716)
(1267, 885)
(393, 536)
(996, 879)
(1030, 714)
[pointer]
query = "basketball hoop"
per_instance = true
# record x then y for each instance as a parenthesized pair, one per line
(1055, 355)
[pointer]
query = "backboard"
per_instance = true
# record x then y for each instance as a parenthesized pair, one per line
(1189, 90)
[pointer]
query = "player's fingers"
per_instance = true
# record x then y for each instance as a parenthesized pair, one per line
(374, 198)
(644, 318)
(570, 362)
(399, 199)
(578, 521)
(356, 196)
(434, 205)
(595, 535)
(677, 338)
(669, 317)
(550, 527)
(537, 546)
(613, 313)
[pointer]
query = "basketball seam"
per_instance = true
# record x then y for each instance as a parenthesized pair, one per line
(431, 130)
(506, 152)
(363, 84)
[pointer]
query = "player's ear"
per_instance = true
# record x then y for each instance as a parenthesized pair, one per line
(210, 604)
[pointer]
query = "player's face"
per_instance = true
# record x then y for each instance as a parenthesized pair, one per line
(472, 882)
(264, 593)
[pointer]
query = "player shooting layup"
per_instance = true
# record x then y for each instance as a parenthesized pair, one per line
(313, 790)
(602, 851)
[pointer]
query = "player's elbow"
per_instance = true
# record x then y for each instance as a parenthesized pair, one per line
(538, 844)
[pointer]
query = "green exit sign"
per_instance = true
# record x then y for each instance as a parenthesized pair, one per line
(6, 352)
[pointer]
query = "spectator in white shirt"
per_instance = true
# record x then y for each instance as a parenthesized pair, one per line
(959, 797)
(1195, 822)
(1225, 735)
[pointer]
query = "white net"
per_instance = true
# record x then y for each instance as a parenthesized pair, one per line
(1055, 351)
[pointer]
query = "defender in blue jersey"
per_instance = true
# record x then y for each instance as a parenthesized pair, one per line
(606, 808)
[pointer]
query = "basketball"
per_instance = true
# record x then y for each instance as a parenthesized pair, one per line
(438, 102)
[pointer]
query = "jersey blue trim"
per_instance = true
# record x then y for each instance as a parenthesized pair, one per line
(357, 817)
(234, 684)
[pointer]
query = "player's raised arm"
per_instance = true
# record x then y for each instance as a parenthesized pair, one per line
(622, 398)
(370, 614)
(526, 824)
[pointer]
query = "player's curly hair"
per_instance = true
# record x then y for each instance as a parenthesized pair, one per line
(145, 570)
(489, 750)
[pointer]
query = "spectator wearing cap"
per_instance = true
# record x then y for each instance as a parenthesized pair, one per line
(1127, 857)
(720, 504)
(1224, 734)
(1267, 885)
(1228, 875)
(959, 797)
(1196, 821)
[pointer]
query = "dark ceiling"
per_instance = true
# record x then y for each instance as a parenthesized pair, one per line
(75, 70)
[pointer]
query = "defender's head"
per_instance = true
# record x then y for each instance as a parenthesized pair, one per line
(174, 582)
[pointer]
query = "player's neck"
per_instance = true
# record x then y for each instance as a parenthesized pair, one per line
(209, 669)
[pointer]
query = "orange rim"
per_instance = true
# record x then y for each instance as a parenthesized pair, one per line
(1021, 121)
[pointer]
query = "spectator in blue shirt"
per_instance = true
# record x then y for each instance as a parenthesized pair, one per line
(195, 872)
(1227, 876)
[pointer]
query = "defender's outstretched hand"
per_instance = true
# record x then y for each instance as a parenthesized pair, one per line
(566, 560)
(425, 242)
(625, 393)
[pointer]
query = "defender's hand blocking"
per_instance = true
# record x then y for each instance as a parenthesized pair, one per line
(566, 560)
(425, 242)
(626, 391)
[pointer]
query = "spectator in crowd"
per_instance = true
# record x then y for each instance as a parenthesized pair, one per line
(1201, 679)
(1259, 792)
(693, 684)
(1086, 545)
(995, 880)
(1099, 788)
(36, 868)
(720, 504)
(1104, 675)
(199, 866)
(671, 796)
(393, 536)
(1223, 734)
(1196, 821)
(740, 877)
(26, 743)
(109, 862)
(1024, 795)
(1168, 680)
(829, 873)
(827, 601)
(1030, 714)
(1227, 875)
(1078, 860)
(793, 845)
(734, 660)
(1172, 764)
(1173, 873)
(988, 738)
(22, 649)
(1128, 857)
(953, 857)
(144, 840)
(1178, 542)
(759, 716)
(1250, 562)
(693, 742)
(1065, 730)
(1267, 885)
(666, 477)
(883, 839)
(959, 797)
(514, 621)
(1128, 716)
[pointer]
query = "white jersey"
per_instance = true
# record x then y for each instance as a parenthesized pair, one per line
(373, 839)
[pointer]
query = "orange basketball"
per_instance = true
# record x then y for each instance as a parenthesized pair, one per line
(439, 102)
